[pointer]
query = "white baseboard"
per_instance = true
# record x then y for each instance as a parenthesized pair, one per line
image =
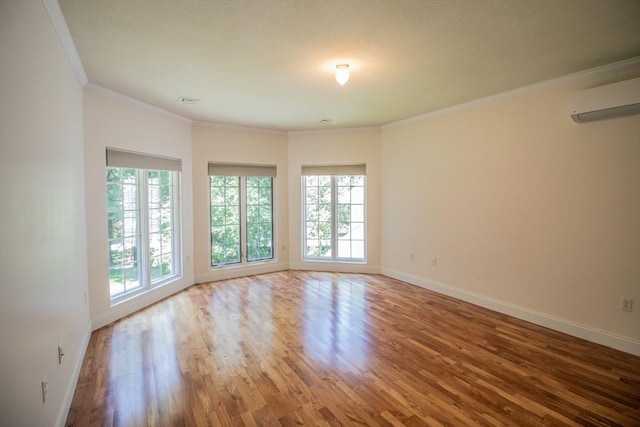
(234, 272)
(61, 420)
(335, 267)
(588, 333)
(141, 301)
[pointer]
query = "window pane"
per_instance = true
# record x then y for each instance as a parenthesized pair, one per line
(167, 264)
(139, 256)
(357, 213)
(344, 180)
(217, 215)
(114, 225)
(344, 249)
(311, 230)
(116, 281)
(114, 175)
(114, 197)
(324, 213)
(131, 277)
(154, 220)
(312, 212)
(166, 244)
(357, 195)
(344, 194)
(324, 194)
(122, 229)
(344, 213)
(160, 222)
(317, 190)
(351, 218)
(154, 244)
(357, 231)
(155, 270)
(265, 194)
(324, 230)
(357, 249)
(259, 221)
(116, 254)
(312, 195)
(225, 219)
(340, 224)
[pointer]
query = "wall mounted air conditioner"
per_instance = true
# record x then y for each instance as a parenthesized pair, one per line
(603, 102)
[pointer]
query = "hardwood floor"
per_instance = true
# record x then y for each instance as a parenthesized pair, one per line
(305, 348)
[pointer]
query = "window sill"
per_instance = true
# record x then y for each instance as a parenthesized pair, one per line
(138, 293)
(336, 261)
(242, 265)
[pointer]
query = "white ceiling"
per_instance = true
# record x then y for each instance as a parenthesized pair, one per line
(268, 63)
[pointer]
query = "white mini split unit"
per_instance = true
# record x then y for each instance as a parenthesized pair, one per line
(603, 102)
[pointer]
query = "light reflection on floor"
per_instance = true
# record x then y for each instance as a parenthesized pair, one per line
(149, 347)
(335, 323)
(241, 317)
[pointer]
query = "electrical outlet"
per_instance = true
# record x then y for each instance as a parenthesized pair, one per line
(45, 389)
(412, 257)
(626, 304)
(434, 262)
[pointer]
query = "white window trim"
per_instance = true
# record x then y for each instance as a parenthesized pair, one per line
(334, 210)
(143, 223)
(244, 263)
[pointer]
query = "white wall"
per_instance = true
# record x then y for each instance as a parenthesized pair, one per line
(346, 146)
(527, 212)
(43, 265)
(113, 120)
(231, 144)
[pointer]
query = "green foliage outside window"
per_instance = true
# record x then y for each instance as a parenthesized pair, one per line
(228, 226)
(259, 218)
(124, 208)
(334, 217)
(225, 219)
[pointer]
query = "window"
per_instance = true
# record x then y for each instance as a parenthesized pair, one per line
(241, 209)
(334, 212)
(142, 222)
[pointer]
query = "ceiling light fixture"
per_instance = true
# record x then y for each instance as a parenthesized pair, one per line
(342, 73)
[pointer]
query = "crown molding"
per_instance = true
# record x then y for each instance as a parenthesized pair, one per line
(536, 87)
(60, 25)
(240, 128)
(339, 130)
(101, 90)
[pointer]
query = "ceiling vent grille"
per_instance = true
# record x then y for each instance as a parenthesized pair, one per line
(188, 101)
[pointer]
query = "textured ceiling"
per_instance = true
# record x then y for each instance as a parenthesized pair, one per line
(269, 63)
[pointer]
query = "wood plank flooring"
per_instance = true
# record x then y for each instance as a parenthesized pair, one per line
(306, 348)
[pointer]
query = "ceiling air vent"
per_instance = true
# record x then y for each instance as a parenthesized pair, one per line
(188, 101)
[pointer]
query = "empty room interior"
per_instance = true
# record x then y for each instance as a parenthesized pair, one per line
(283, 212)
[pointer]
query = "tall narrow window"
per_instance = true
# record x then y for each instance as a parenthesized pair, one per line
(241, 212)
(334, 212)
(142, 222)
(225, 219)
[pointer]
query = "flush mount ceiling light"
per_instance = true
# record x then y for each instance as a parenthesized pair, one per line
(342, 73)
